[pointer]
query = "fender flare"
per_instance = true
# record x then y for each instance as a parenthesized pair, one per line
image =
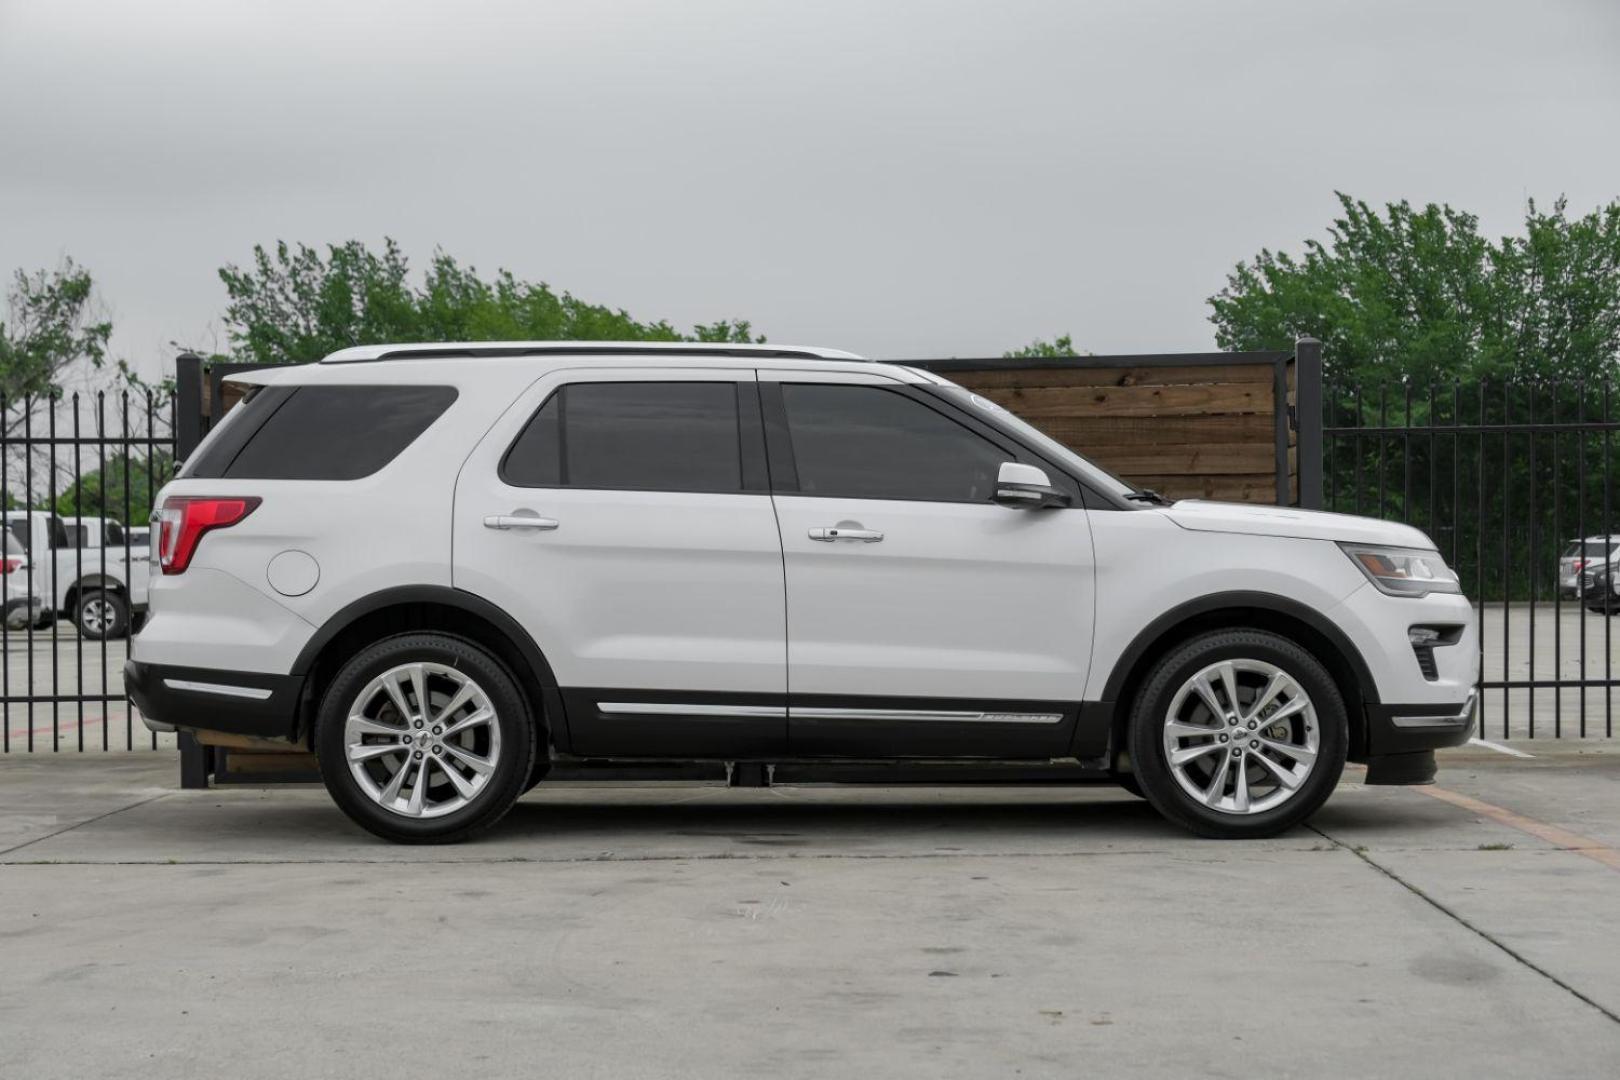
(471, 603)
(1272, 602)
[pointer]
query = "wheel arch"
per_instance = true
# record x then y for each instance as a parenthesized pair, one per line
(103, 582)
(432, 608)
(1250, 610)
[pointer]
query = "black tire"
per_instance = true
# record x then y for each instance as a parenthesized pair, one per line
(542, 765)
(1153, 702)
(102, 615)
(513, 767)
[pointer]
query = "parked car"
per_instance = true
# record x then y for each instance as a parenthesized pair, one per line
(22, 605)
(102, 588)
(445, 567)
(1600, 588)
(95, 532)
(1581, 555)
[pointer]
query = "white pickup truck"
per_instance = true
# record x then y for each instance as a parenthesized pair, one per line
(86, 570)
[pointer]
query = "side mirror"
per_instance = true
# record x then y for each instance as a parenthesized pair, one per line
(1026, 488)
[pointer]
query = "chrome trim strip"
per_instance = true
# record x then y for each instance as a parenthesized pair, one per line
(938, 716)
(1465, 715)
(253, 693)
(653, 708)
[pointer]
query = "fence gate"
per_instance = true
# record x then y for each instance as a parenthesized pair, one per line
(1513, 481)
(78, 472)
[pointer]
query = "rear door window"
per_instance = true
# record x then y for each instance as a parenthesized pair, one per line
(320, 432)
(632, 436)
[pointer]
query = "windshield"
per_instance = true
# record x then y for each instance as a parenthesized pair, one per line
(1589, 549)
(1093, 473)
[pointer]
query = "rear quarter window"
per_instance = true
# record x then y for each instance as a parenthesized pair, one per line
(321, 432)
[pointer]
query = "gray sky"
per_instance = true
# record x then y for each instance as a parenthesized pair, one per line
(898, 178)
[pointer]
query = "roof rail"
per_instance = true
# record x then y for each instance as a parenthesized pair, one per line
(431, 351)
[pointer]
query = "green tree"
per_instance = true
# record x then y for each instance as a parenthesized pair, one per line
(293, 304)
(1421, 295)
(51, 326)
(101, 490)
(1041, 349)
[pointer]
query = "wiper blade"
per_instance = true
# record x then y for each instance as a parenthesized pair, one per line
(1148, 495)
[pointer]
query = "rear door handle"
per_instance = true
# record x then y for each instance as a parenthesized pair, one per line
(519, 521)
(865, 536)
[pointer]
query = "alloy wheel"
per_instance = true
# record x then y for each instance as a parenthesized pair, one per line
(422, 740)
(1241, 736)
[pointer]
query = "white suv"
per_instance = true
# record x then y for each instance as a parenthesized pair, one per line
(447, 566)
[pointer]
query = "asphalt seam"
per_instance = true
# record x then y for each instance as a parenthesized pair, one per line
(1520, 958)
(80, 824)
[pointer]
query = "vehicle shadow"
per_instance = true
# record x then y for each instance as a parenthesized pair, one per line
(843, 817)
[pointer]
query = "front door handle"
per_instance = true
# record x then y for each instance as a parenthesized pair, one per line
(519, 521)
(865, 536)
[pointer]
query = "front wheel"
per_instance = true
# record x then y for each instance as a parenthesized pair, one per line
(1238, 733)
(424, 739)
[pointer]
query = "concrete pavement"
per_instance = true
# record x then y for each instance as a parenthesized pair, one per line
(688, 930)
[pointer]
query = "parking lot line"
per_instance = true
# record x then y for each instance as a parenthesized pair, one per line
(1559, 838)
(1499, 748)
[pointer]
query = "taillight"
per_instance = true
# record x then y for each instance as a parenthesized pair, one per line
(1580, 564)
(11, 563)
(184, 519)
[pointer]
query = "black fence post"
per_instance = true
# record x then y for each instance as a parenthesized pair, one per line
(196, 760)
(1308, 413)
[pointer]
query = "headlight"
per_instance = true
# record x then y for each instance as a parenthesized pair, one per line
(1404, 571)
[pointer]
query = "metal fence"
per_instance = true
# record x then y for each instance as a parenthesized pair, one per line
(1505, 478)
(78, 473)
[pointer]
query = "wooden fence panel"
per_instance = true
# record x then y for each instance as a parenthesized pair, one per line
(1199, 426)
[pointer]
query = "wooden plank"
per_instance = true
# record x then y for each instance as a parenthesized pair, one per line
(1009, 378)
(1160, 430)
(251, 762)
(247, 742)
(1259, 488)
(1208, 459)
(1078, 402)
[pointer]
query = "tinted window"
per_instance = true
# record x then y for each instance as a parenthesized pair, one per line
(864, 442)
(674, 436)
(325, 432)
(227, 437)
(19, 532)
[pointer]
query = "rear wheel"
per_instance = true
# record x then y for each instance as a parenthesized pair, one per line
(1238, 733)
(425, 738)
(102, 615)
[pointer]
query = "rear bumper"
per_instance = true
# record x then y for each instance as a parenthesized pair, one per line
(1408, 729)
(209, 699)
(22, 610)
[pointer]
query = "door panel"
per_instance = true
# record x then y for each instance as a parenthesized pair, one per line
(635, 597)
(967, 602)
(921, 626)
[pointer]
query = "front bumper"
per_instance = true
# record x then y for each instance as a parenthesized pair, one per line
(1411, 729)
(209, 699)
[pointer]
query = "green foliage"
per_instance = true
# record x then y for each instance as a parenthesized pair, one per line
(1041, 349)
(294, 305)
(1421, 295)
(135, 475)
(50, 327)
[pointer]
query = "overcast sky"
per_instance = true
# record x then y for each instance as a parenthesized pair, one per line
(899, 178)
